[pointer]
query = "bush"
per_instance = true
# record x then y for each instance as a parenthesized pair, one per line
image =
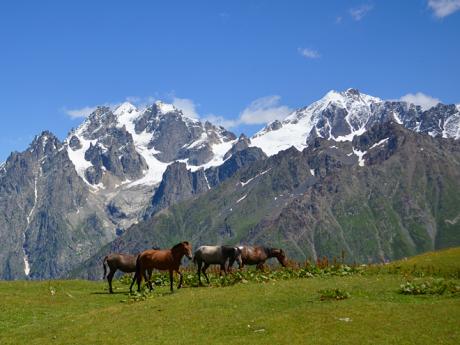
(333, 294)
(429, 287)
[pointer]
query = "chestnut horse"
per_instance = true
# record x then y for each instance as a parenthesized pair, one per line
(164, 260)
(258, 255)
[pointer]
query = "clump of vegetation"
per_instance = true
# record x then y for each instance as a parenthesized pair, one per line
(252, 275)
(429, 287)
(333, 294)
(139, 296)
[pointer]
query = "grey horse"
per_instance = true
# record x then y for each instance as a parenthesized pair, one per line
(215, 255)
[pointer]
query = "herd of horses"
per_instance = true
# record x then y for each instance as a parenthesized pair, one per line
(170, 260)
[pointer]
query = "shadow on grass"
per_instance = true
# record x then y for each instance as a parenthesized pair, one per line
(108, 293)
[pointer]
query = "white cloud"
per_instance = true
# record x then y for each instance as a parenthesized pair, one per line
(141, 102)
(78, 113)
(264, 110)
(419, 98)
(443, 8)
(220, 121)
(259, 111)
(187, 106)
(358, 13)
(309, 53)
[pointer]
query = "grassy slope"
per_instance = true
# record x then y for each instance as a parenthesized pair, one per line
(281, 312)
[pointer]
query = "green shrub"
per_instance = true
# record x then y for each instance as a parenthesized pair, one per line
(333, 294)
(429, 287)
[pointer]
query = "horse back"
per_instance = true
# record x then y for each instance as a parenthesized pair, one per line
(122, 262)
(158, 259)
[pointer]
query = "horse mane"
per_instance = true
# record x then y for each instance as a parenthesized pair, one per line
(180, 244)
(268, 250)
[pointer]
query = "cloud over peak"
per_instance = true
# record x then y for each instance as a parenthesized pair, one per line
(79, 113)
(264, 110)
(421, 99)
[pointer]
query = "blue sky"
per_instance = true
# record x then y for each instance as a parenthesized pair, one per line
(238, 62)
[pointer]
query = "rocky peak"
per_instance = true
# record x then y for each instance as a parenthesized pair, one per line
(340, 116)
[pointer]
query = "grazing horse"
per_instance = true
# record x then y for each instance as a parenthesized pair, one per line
(215, 255)
(165, 260)
(123, 262)
(258, 255)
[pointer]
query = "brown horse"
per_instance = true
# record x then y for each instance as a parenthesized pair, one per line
(164, 260)
(258, 255)
(123, 262)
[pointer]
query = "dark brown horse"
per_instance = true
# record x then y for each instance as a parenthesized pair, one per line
(164, 260)
(123, 262)
(258, 255)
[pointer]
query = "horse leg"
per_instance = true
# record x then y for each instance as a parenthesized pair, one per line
(180, 279)
(205, 267)
(222, 268)
(199, 263)
(139, 280)
(171, 279)
(132, 282)
(260, 265)
(109, 279)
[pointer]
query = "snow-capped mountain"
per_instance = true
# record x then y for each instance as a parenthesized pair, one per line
(340, 116)
(61, 201)
(136, 145)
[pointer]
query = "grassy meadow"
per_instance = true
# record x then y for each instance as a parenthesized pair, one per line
(361, 305)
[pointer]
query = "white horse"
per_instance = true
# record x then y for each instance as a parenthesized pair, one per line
(215, 255)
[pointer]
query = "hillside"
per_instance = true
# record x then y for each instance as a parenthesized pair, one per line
(283, 311)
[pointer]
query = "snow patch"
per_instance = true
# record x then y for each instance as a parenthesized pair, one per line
(360, 155)
(381, 142)
(25, 256)
(241, 199)
(248, 181)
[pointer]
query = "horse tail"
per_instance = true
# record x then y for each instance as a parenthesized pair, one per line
(105, 267)
(138, 269)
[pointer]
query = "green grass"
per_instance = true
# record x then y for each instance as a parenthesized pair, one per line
(275, 312)
(444, 262)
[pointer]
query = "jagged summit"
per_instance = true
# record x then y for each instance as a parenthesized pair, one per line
(143, 142)
(342, 115)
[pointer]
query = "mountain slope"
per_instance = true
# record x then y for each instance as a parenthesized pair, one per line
(398, 196)
(61, 201)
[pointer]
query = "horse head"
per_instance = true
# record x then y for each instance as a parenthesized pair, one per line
(280, 255)
(187, 249)
(237, 256)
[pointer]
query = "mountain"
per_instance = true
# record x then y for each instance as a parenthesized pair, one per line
(342, 115)
(128, 178)
(388, 193)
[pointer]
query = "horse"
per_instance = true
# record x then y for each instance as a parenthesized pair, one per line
(123, 262)
(215, 255)
(258, 255)
(165, 260)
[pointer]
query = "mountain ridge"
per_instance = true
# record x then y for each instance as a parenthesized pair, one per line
(111, 173)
